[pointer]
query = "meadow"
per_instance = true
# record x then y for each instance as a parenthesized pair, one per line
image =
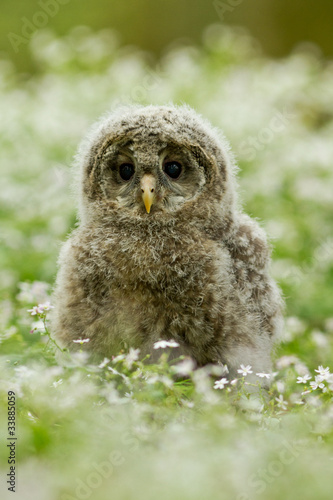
(124, 429)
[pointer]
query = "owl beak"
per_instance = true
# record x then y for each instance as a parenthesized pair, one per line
(148, 188)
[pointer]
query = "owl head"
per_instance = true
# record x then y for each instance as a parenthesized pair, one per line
(155, 162)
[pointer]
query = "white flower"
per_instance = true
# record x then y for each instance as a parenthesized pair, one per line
(286, 361)
(323, 372)
(281, 402)
(168, 382)
(245, 370)
(263, 375)
(219, 384)
(35, 310)
(281, 386)
(38, 326)
(120, 357)
(303, 380)
(81, 341)
(45, 307)
(40, 308)
(318, 382)
(58, 382)
(133, 355)
(104, 363)
(184, 368)
(162, 344)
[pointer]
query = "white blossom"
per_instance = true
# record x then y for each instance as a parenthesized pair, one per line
(323, 372)
(186, 367)
(281, 402)
(104, 363)
(317, 383)
(263, 375)
(303, 380)
(219, 384)
(245, 370)
(131, 357)
(162, 344)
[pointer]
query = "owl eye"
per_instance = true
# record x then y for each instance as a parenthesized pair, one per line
(126, 171)
(173, 169)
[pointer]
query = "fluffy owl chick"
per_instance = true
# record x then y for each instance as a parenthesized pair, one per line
(162, 250)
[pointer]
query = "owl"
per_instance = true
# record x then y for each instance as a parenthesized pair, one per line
(163, 249)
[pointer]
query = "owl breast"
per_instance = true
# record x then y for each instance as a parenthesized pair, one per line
(160, 282)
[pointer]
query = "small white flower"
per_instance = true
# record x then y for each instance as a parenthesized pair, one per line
(58, 382)
(168, 382)
(219, 384)
(35, 310)
(184, 368)
(303, 380)
(133, 355)
(281, 402)
(40, 309)
(104, 363)
(281, 386)
(317, 383)
(81, 341)
(245, 370)
(263, 375)
(286, 361)
(162, 344)
(120, 357)
(38, 326)
(45, 307)
(323, 372)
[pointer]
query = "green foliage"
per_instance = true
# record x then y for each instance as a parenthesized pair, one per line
(123, 427)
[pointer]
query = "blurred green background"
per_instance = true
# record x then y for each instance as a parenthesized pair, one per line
(268, 85)
(278, 25)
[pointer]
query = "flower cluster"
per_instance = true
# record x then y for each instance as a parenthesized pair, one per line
(41, 309)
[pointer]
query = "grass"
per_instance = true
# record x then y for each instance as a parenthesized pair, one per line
(131, 430)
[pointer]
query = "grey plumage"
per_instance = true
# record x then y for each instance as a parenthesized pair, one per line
(194, 269)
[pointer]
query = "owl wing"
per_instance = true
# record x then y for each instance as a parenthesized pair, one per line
(73, 312)
(250, 254)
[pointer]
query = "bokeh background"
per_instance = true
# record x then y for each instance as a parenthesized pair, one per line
(278, 25)
(261, 71)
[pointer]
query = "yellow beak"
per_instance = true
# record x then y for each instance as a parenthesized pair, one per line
(148, 188)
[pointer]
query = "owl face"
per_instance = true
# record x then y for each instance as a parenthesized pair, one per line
(154, 161)
(150, 176)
